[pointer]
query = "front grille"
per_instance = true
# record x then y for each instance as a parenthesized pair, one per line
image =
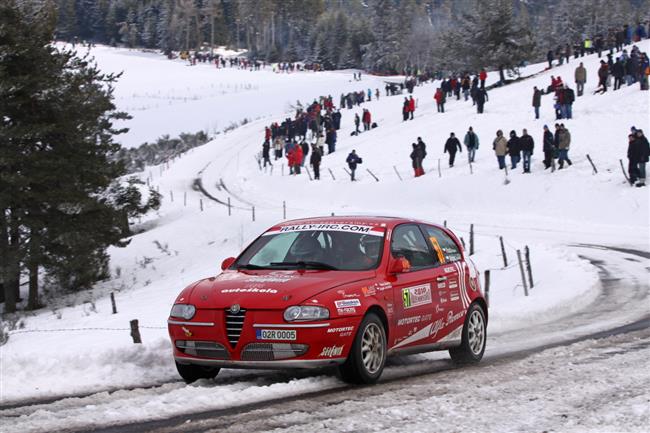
(272, 351)
(206, 349)
(234, 325)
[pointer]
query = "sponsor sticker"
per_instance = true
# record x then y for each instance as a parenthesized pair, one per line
(449, 269)
(343, 303)
(276, 334)
(350, 228)
(442, 285)
(369, 291)
(416, 295)
(442, 323)
(346, 310)
(454, 296)
(331, 351)
(380, 287)
(250, 290)
(340, 329)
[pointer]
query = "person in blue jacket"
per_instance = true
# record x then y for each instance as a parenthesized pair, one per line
(353, 159)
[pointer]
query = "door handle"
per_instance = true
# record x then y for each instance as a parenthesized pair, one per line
(441, 279)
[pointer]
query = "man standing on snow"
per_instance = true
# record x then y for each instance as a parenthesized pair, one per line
(569, 98)
(481, 98)
(580, 78)
(471, 142)
(266, 149)
(638, 153)
(482, 76)
(527, 146)
(366, 119)
(315, 159)
(416, 158)
(514, 150)
(352, 160)
(500, 146)
(537, 101)
(440, 100)
(405, 109)
(357, 122)
(548, 148)
(411, 106)
(564, 143)
(452, 146)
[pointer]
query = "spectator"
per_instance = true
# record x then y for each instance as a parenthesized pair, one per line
(405, 109)
(564, 144)
(266, 148)
(481, 98)
(315, 159)
(440, 98)
(549, 149)
(471, 142)
(527, 146)
(638, 153)
(580, 78)
(569, 98)
(602, 78)
(411, 106)
(366, 119)
(483, 76)
(537, 100)
(549, 58)
(452, 145)
(514, 150)
(416, 158)
(357, 122)
(500, 146)
(352, 160)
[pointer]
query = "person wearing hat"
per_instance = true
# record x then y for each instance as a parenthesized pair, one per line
(548, 148)
(638, 154)
(603, 73)
(500, 146)
(527, 146)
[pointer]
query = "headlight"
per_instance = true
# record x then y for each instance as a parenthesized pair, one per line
(308, 312)
(183, 311)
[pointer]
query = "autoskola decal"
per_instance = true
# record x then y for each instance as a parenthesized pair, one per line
(343, 303)
(250, 290)
(332, 351)
(350, 228)
(416, 295)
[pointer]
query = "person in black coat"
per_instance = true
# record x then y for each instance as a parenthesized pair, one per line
(638, 153)
(452, 145)
(416, 159)
(548, 148)
(527, 145)
(537, 101)
(336, 119)
(481, 98)
(405, 109)
(314, 160)
(514, 150)
(352, 160)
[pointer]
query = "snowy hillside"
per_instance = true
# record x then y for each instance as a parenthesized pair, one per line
(79, 346)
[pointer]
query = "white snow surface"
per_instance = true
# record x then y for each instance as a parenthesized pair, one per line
(77, 345)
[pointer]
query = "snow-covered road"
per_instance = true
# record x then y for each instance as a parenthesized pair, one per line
(581, 373)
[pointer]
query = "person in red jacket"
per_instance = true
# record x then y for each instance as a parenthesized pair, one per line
(291, 157)
(440, 100)
(482, 76)
(297, 159)
(366, 119)
(267, 134)
(411, 107)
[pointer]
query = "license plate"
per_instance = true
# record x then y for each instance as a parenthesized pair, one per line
(276, 334)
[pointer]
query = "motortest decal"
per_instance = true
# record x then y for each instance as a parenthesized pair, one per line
(350, 228)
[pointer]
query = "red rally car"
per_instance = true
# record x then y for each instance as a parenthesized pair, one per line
(340, 291)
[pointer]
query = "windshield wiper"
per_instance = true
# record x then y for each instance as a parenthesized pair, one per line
(305, 264)
(251, 266)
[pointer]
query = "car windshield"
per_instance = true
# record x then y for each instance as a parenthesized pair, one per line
(314, 249)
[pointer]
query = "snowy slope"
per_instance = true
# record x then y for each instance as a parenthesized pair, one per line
(181, 243)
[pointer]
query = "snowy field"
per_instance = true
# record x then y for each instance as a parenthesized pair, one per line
(78, 346)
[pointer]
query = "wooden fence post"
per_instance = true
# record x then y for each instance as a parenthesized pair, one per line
(253, 209)
(113, 303)
(372, 174)
(309, 173)
(331, 174)
(592, 164)
(471, 239)
(201, 204)
(185, 198)
(135, 332)
(439, 172)
(523, 275)
(528, 266)
(503, 252)
(171, 196)
(229, 207)
(397, 173)
(487, 286)
(284, 210)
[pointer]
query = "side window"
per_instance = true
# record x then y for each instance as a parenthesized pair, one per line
(443, 246)
(407, 241)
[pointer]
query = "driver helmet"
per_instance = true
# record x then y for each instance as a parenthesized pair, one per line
(306, 248)
(371, 245)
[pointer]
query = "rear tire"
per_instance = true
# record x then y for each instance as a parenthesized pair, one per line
(191, 372)
(474, 338)
(367, 356)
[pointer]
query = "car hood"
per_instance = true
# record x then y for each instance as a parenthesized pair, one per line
(268, 289)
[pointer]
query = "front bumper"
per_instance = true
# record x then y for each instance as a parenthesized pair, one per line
(283, 364)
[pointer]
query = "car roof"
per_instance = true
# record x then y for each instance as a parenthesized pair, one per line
(380, 221)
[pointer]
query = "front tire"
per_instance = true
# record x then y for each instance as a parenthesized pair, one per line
(474, 338)
(191, 372)
(367, 356)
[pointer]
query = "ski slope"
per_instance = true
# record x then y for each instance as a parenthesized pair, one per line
(77, 345)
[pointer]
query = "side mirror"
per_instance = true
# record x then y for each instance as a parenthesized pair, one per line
(399, 266)
(227, 263)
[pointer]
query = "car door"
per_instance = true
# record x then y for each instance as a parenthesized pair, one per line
(416, 308)
(450, 287)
